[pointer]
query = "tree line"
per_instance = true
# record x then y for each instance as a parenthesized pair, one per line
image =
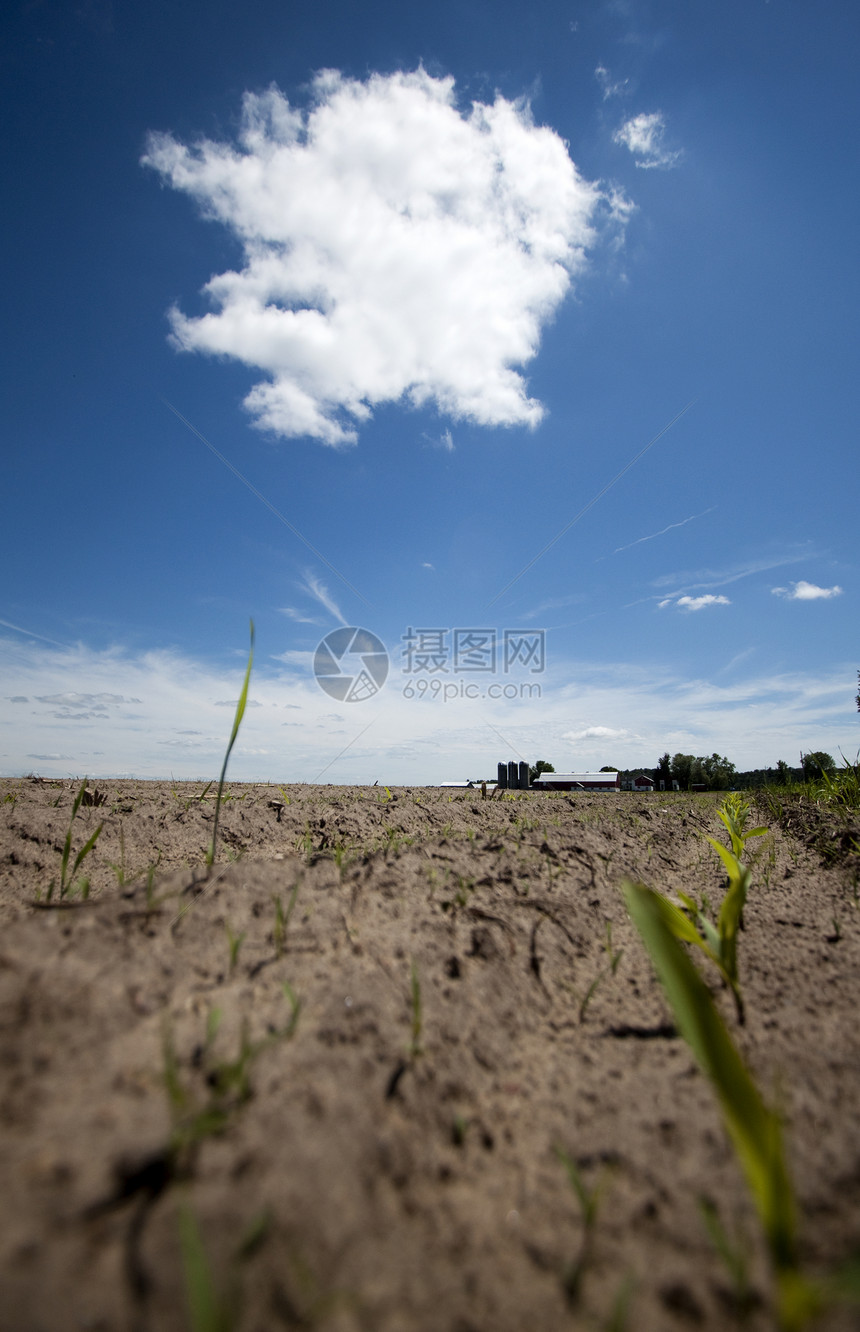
(714, 772)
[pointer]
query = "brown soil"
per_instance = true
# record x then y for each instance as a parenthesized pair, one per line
(380, 1164)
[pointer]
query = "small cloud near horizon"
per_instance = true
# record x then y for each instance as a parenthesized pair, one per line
(597, 733)
(695, 603)
(803, 591)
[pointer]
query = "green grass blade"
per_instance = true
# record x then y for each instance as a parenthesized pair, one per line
(64, 863)
(206, 1310)
(586, 1197)
(237, 722)
(85, 851)
(78, 798)
(295, 1009)
(755, 1131)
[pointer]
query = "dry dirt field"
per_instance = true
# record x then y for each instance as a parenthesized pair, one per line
(349, 1061)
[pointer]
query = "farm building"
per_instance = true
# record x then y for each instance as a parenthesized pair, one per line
(641, 782)
(577, 781)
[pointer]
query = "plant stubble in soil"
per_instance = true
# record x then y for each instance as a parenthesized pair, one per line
(473, 1002)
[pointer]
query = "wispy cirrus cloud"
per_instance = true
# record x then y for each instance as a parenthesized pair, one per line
(445, 441)
(610, 87)
(301, 617)
(697, 580)
(644, 136)
(7, 624)
(552, 604)
(314, 587)
(395, 247)
(663, 530)
(803, 591)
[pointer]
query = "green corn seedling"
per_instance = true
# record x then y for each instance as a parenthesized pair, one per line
(720, 942)
(734, 813)
(67, 877)
(754, 1129)
(237, 721)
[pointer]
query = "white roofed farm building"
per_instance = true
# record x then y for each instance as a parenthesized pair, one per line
(577, 781)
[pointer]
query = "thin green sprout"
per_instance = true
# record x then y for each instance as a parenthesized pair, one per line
(237, 721)
(67, 878)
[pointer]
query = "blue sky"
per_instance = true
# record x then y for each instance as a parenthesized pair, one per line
(508, 327)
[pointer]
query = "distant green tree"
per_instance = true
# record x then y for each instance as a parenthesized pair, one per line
(609, 768)
(719, 771)
(686, 769)
(663, 772)
(539, 767)
(713, 771)
(783, 773)
(815, 763)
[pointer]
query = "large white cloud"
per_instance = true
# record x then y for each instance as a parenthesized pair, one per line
(394, 246)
